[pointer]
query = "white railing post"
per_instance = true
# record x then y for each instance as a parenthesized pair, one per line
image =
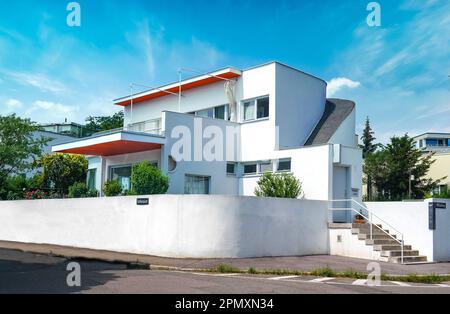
(371, 226)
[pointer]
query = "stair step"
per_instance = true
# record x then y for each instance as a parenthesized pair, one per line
(390, 247)
(365, 225)
(407, 259)
(399, 253)
(382, 241)
(363, 236)
(374, 231)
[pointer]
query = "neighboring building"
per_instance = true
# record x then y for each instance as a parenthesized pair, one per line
(439, 144)
(67, 128)
(274, 118)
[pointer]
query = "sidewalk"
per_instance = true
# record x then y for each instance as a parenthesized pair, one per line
(301, 263)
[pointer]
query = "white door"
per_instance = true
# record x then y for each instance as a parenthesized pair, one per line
(341, 192)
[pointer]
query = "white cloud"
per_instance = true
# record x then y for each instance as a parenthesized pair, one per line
(39, 81)
(48, 105)
(13, 104)
(47, 111)
(338, 83)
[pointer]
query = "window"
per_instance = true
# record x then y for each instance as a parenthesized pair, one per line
(262, 108)
(219, 112)
(91, 174)
(123, 175)
(231, 168)
(249, 110)
(254, 109)
(284, 165)
(250, 168)
(196, 184)
(265, 166)
(207, 113)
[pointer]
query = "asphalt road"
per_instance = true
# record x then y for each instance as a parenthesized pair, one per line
(33, 273)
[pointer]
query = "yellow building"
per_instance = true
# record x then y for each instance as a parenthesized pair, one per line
(439, 144)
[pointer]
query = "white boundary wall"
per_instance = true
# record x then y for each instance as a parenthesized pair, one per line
(411, 219)
(173, 225)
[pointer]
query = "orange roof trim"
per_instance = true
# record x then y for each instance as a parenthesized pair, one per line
(195, 82)
(112, 148)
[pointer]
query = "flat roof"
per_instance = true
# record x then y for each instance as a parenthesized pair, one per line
(432, 134)
(193, 82)
(117, 143)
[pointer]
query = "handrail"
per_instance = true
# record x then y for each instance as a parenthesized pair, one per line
(370, 220)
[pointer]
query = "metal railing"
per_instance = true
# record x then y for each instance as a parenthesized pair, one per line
(152, 126)
(369, 218)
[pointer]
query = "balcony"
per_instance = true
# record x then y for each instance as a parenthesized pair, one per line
(152, 127)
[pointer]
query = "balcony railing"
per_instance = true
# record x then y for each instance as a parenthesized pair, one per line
(149, 126)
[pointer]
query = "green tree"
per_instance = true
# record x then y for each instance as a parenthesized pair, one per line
(147, 179)
(283, 185)
(394, 165)
(60, 171)
(368, 148)
(19, 147)
(104, 123)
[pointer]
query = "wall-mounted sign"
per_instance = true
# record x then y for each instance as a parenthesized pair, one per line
(142, 201)
(440, 205)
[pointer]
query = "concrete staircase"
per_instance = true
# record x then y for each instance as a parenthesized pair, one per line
(390, 250)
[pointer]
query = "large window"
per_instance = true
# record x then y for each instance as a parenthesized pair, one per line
(219, 112)
(123, 175)
(435, 142)
(91, 175)
(255, 109)
(196, 184)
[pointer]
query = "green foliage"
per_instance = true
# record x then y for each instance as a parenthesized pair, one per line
(112, 188)
(283, 185)
(104, 123)
(147, 179)
(391, 167)
(368, 147)
(80, 190)
(19, 148)
(60, 171)
(444, 193)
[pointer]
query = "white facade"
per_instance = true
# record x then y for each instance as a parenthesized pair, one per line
(289, 107)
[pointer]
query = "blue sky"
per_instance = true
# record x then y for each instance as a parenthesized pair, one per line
(398, 74)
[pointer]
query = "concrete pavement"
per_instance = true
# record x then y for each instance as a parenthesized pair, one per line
(34, 273)
(300, 263)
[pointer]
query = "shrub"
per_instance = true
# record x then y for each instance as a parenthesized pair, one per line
(283, 185)
(60, 171)
(112, 188)
(80, 189)
(36, 195)
(147, 179)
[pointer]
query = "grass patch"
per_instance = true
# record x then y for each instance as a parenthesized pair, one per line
(225, 269)
(323, 272)
(328, 272)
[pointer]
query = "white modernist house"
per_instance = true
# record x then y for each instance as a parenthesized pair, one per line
(217, 133)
